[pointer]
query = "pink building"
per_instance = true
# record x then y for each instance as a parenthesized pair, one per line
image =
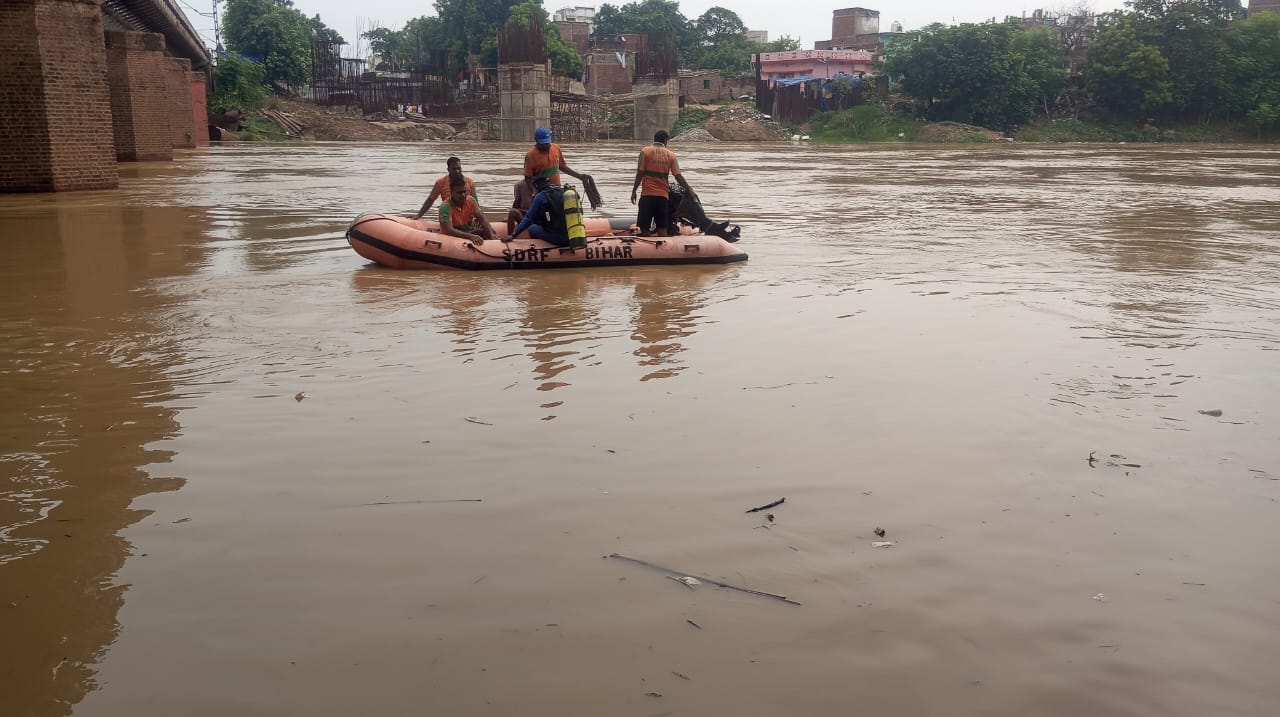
(812, 63)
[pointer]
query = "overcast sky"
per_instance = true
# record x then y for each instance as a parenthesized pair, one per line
(806, 20)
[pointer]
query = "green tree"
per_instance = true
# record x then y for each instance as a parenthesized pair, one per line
(718, 24)
(1040, 55)
(274, 33)
(385, 43)
(323, 32)
(1125, 74)
(237, 84)
(419, 37)
(1254, 70)
(661, 19)
(978, 74)
(786, 43)
(719, 43)
(1192, 37)
(471, 22)
(563, 55)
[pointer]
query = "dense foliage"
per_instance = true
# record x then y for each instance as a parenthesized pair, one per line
(992, 74)
(275, 34)
(1182, 60)
(1194, 60)
(714, 40)
(237, 84)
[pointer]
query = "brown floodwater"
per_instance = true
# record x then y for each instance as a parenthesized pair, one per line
(233, 451)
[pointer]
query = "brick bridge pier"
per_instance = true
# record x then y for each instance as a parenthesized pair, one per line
(83, 90)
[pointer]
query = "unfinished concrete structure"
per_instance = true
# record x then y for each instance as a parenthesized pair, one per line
(524, 81)
(656, 89)
(524, 101)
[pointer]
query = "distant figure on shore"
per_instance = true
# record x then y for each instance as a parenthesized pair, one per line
(441, 188)
(461, 217)
(519, 207)
(655, 164)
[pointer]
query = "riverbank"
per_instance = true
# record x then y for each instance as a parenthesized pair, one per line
(739, 122)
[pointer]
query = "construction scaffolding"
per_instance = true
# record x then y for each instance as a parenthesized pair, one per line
(524, 82)
(579, 118)
(656, 88)
(338, 81)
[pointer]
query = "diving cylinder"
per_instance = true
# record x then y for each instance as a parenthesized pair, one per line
(573, 218)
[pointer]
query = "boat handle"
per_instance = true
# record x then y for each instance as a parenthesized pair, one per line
(434, 243)
(692, 248)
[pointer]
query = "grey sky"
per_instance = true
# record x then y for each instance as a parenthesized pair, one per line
(807, 20)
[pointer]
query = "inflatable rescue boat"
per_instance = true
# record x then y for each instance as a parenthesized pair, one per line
(402, 243)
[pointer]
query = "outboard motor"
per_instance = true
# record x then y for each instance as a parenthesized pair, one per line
(689, 211)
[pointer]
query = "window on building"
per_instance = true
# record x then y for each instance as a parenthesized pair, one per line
(706, 84)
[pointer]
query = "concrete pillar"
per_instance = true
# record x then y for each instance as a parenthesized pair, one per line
(199, 108)
(139, 106)
(177, 88)
(524, 101)
(56, 129)
(657, 104)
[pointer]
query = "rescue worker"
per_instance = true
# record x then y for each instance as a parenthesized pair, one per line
(546, 160)
(655, 164)
(441, 189)
(523, 191)
(545, 219)
(461, 217)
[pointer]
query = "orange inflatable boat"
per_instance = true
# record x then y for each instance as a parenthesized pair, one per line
(402, 243)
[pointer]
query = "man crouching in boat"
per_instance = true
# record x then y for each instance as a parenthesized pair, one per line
(461, 216)
(545, 219)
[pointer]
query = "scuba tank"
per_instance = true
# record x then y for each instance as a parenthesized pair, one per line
(573, 218)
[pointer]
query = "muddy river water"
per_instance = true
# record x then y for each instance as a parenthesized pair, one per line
(242, 472)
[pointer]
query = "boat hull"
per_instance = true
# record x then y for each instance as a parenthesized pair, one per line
(402, 243)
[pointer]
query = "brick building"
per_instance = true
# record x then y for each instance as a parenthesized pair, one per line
(853, 28)
(77, 97)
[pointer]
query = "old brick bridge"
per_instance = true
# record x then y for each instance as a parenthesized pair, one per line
(90, 83)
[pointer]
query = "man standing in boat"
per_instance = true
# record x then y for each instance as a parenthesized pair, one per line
(441, 189)
(545, 159)
(461, 217)
(655, 164)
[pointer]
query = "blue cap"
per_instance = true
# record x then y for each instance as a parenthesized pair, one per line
(542, 135)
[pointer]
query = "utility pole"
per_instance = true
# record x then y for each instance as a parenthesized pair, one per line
(217, 28)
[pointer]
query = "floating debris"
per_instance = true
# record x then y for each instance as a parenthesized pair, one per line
(703, 578)
(879, 532)
(767, 506)
(472, 419)
(1215, 412)
(685, 580)
(883, 544)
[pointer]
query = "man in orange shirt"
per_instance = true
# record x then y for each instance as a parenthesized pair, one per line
(441, 189)
(656, 162)
(461, 217)
(545, 159)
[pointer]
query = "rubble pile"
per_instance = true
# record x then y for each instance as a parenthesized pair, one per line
(695, 134)
(739, 123)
